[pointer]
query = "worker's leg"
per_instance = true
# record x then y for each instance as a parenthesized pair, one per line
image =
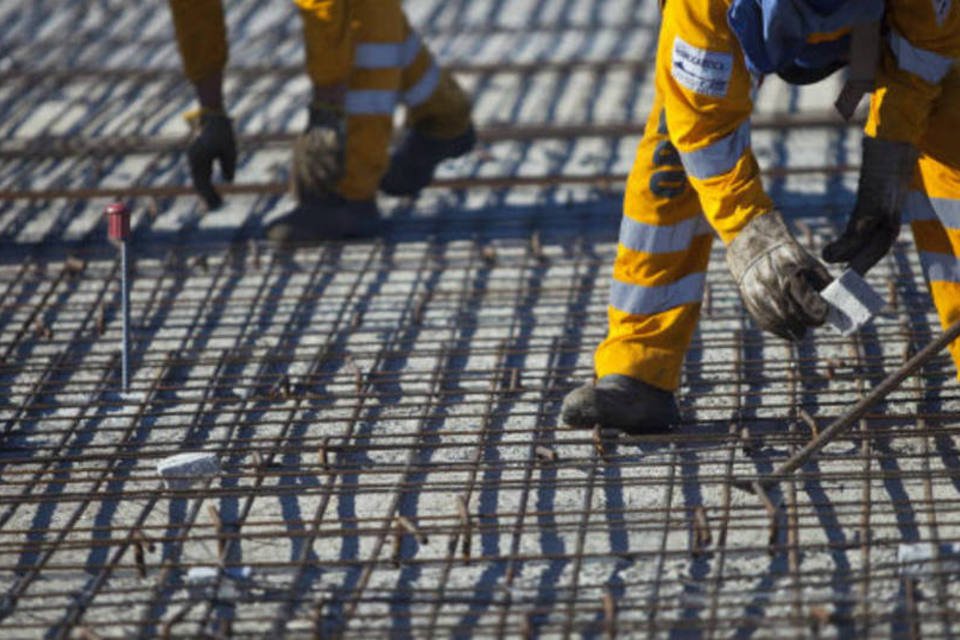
(658, 274)
(438, 121)
(353, 53)
(934, 206)
(934, 212)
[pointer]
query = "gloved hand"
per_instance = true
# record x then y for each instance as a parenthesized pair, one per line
(875, 222)
(318, 153)
(212, 140)
(778, 280)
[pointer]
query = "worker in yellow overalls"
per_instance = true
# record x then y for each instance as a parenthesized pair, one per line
(695, 176)
(364, 60)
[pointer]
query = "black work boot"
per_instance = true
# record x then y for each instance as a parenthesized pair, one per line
(621, 402)
(331, 217)
(414, 161)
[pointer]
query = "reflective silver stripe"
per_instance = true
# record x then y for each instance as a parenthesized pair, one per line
(371, 102)
(421, 92)
(719, 157)
(928, 65)
(918, 207)
(940, 266)
(649, 238)
(387, 55)
(637, 299)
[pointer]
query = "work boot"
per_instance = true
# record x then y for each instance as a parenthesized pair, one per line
(621, 402)
(317, 220)
(414, 161)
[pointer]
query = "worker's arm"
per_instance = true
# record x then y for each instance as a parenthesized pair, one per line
(707, 101)
(922, 46)
(202, 41)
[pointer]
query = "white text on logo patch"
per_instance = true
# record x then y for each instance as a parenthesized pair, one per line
(701, 71)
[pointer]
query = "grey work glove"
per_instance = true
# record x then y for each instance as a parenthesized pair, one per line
(778, 280)
(875, 222)
(318, 154)
(212, 140)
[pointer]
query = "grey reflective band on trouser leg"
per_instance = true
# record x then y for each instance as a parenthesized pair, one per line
(931, 67)
(370, 102)
(424, 88)
(940, 267)
(918, 207)
(387, 55)
(640, 300)
(718, 157)
(650, 238)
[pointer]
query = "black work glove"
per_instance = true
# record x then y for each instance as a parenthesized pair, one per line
(212, 140)
(778, 280)
(875, 222)
(318, 154)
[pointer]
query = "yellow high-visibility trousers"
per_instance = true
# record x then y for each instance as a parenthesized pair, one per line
(661, 263)
(933, 206)
(369, 46)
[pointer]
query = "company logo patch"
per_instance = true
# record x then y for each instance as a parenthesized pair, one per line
(941, 8)
(701, 71)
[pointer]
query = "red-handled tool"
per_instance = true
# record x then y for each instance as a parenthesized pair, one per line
(118, 229)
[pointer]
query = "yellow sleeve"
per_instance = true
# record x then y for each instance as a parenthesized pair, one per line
(706, 90)
(922, 45)
(327, 42)
(201, 36)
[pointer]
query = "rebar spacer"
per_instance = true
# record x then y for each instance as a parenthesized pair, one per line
(118, 221)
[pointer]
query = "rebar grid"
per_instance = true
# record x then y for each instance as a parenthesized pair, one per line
(386, 418)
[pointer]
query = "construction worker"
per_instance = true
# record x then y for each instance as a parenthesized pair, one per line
(363, 60)
(695, 175)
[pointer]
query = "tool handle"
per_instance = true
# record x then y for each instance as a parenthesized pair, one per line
(118, 221)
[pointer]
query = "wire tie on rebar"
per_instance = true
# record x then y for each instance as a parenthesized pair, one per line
(200, 262)
(407, 525)
(545, 453)
(357, 320)
(281, 389)
(772, 513)
(536, 247)
(357, 373)
(702, 537)
(749, 443)
(598, 444)
(809, 421)
(395, 556)
(514, 380)
(140, 544)
(323, 453)
(101, 319)
(609, 615)
(489, 254)
(467, 527)
(892, 297)
(254, 249)
(74, 266)
(218, 526)
(832, 365)
(41, 330)
(419, 308)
